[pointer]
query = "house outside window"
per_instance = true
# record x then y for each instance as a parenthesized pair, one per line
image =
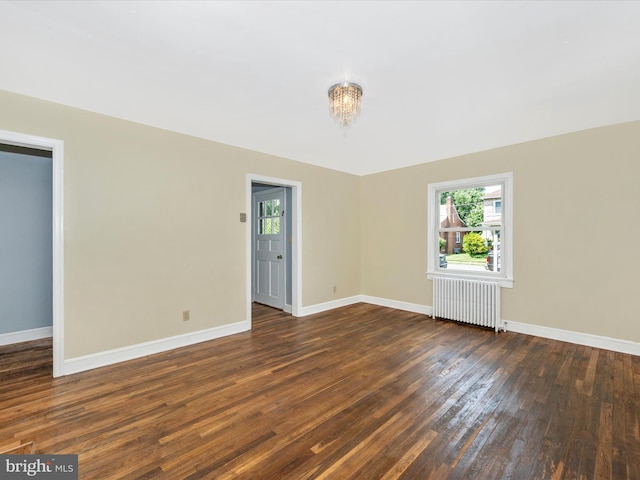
(470, 224)
(449, 220)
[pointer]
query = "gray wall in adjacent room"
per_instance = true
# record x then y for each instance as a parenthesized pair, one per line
(25, 239)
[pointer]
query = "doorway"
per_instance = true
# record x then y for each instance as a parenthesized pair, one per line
(56, 147)
(271, 272)
(276, 281)
(25, 244)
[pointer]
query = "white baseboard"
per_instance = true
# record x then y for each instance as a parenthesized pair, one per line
(326, 306)
(26, 335)
(587, 339)
(88, 362)
(579, 338)
(398, 305)
(590, 340)
(287, 308)
(102, 359)
(383, 302)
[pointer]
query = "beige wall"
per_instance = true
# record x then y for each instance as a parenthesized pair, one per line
(570, 193)
(151, 226)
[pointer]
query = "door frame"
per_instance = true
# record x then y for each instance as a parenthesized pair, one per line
(56, 147)
(296, 239)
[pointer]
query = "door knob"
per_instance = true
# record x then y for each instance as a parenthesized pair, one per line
(279, 257)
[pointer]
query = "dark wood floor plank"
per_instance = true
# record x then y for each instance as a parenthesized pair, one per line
(361, 392)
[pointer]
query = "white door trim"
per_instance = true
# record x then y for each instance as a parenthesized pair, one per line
(296, 240)
(57, 152)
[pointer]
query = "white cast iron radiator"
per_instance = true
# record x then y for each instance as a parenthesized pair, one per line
(470, 301)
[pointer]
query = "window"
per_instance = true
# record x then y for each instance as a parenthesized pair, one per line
(269, 217)
(470, 226)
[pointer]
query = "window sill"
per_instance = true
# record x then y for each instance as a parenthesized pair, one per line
(503, 281)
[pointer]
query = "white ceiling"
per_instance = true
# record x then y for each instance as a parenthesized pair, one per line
(439, 78)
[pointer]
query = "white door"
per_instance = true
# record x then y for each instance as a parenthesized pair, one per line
(269, 247)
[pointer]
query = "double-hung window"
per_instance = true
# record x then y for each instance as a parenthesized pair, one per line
(470, 228)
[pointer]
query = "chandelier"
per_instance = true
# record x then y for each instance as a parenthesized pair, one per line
(345, 102)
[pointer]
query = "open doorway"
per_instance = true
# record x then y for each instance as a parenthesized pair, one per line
(271, 240)
(53, 149)
(274, 230)
(26, 275)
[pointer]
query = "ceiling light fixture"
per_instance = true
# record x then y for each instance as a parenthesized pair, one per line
(345, 102)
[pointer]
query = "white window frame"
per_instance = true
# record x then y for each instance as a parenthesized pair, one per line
(505, 276)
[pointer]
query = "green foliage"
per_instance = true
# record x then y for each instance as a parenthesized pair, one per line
(443, 243)
(469, 204)
(474, 245)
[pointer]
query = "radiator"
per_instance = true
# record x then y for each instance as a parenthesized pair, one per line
(469, 301)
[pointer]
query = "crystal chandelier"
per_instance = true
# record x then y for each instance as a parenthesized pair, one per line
(345, 102)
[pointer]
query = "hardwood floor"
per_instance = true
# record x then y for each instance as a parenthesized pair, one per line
(362, 392)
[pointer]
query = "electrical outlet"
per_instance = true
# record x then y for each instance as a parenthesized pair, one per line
(186, 316)
(335, 288)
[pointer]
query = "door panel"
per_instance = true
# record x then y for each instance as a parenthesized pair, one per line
(274, 284)
(262, 276)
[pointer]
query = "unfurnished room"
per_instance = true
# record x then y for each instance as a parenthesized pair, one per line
(299, 240)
